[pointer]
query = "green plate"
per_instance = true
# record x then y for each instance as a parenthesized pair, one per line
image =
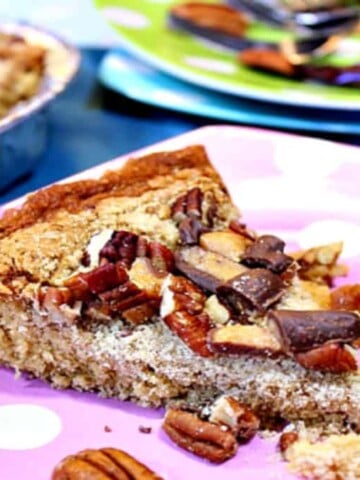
(143, 30)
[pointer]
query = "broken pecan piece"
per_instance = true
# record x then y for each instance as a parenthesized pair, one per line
(256, 288)
(298, 331)
(206, 269)
(346, 297)
(242, 230)
(207, 440)
(286, 440)
(102, 464)
(319, 264)
(226, 243)
(237, 416)
(267, 252)
(331, 357)
(243, 339)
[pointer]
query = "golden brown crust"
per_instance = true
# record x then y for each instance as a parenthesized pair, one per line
(132, 180)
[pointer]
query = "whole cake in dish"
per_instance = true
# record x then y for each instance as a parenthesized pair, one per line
(144, 285)
(21, 70)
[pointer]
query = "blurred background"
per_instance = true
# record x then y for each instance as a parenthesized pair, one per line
(98, 116)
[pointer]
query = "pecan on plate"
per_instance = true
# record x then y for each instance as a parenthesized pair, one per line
(182, 311)
(237, 416)
(102, 464)
(215, 443)
(286, 440)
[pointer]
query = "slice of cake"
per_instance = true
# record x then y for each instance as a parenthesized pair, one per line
(143, 285)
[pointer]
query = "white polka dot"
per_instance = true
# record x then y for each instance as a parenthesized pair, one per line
(27, 426)
(306, 159)
(327, 231)
(211, 65)
(125, 17)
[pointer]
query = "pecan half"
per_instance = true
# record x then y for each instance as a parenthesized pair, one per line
(192, 215)
(267, 252)
(124, 247)
(256, 288)
(299, 331)
(102, 464)
(237, 416)
(243, 339)
(331, 357)
(182, 311)
(207, 440)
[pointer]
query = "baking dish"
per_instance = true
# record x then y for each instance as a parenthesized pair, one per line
(23, 131)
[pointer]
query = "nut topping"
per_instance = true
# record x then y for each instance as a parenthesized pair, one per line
(241, 229)
(192, 218)
(286, 440)
(298, 331)
(190, 230)
(226, 243)
(319, 264)
(346, 297)
(102, 464)
(237, 416)
(257, 289)
(182, 311)
(243, 339)
(267, 252)
(331, 357)
(124, 247)
(206, 269)
(205, 439)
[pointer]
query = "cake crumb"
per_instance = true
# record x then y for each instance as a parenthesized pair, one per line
(146, 430)
(107, 429)
(335, 458)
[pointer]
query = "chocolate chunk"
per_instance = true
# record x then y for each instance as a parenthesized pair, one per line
(255, 289)
(267, 252)
(298, 331)
(207, 269)
(202, 278)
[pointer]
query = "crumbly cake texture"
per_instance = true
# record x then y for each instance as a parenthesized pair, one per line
(43, 243)
(21, 70)
(337, 457)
